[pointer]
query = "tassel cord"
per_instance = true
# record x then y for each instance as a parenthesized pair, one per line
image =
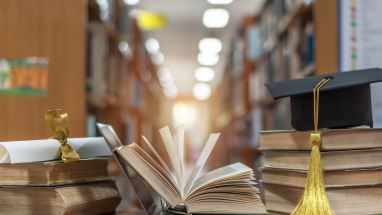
(314, 200)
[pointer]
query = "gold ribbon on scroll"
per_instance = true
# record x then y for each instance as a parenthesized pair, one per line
(57, 122)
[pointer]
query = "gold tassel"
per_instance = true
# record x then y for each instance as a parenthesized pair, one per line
(314, 200)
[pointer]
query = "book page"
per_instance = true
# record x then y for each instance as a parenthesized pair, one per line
(172, 152)
(180, 151)
(154, 154)
(220, 174)
(149, 175)
(200, 162)
(163, 175)
(227, 190)
(254, 206)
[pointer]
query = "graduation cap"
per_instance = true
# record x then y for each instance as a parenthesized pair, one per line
(345, 100)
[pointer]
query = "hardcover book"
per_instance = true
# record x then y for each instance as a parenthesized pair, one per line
(89, 198)
(52, 173)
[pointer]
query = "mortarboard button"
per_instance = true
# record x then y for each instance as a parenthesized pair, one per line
(345, 100)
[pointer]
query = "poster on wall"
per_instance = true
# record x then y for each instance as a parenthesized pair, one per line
(360, 40)
(24, 77)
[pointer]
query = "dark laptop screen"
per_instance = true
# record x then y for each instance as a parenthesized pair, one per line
(148, 199)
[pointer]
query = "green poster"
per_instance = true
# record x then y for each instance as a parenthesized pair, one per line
(24, 77)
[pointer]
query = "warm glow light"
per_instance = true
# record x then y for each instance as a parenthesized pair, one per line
(215, 18)
(210, 45)
(131, 2)
(202, 91)
(158, 58)
(183, 113)
(208, 59)
(220, 1)
(204, 74)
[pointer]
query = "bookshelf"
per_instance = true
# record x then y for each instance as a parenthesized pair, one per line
(126, 92)
(287, 40)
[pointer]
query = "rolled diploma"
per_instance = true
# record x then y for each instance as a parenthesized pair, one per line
(49, 149)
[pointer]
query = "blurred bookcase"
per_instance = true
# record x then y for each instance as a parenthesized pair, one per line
(122, 85)
(98, 68)
(288, 39)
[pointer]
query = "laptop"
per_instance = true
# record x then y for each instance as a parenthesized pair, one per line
(149, 201)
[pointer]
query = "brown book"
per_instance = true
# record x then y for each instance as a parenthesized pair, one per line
(54, 172)
(333, 139)
(91, 198)
(343, 201)
(340, 178)
(331, 160)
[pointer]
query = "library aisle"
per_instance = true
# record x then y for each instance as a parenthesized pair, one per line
(199, 67)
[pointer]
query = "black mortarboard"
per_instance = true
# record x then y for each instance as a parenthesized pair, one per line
(345, 100)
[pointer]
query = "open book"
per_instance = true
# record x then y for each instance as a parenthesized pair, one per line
(227, 190)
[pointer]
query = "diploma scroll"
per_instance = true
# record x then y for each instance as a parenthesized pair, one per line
(49, 149)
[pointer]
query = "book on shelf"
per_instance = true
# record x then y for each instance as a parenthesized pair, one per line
(227, 190)
(97, 62)
(343, 201)
(52, 173)
(257, 82)
(254, 50)
(90, 198)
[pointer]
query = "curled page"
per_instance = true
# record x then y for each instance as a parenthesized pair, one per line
(49, 149)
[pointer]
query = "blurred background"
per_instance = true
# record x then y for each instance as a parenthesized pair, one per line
(140, 65)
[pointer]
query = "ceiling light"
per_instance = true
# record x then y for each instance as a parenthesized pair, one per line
(158, 58)
(208, 59)
(202, 91)
(210, 45)
(131, 2)
(220, 1)
(152, 45)
(166, 83)
(123, 47)
(215, 18)
(204, 74)
(164, 76)
(170, 92)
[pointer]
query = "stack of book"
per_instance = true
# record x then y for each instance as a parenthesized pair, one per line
(352, 164)
(54, 187)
